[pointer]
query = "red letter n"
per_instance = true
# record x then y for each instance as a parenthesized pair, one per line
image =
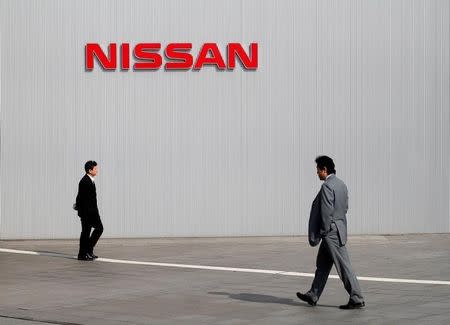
(249, 62)
(107, 62)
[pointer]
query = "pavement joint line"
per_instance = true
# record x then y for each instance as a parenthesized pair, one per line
(223, 268)
(31, 319)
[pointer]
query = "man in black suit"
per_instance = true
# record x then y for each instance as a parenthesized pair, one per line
(86, 204)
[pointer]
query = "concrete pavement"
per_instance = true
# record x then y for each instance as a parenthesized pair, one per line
(54, 288)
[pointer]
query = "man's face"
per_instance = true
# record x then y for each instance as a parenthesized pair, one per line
(322, 173)
(93, 171)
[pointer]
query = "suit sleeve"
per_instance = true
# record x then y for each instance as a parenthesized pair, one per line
(326, 206)
(81, 198)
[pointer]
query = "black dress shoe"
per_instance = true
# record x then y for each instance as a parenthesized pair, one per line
(92, 255)
(85, 258)
(353, 305)
(306, 298)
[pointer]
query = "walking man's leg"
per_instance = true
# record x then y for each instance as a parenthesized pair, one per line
(343, 266)
(84, 238)
(98, 230)
(324, 263)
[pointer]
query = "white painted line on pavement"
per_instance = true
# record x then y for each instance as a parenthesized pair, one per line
(221, 268)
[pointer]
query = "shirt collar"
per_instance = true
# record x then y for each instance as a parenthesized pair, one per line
(92, 178)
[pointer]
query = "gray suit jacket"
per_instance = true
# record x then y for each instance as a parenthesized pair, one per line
(330, 205)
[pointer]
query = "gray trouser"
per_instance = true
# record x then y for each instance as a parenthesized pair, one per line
(331, 252)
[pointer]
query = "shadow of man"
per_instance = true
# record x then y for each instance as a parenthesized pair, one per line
(265, 299)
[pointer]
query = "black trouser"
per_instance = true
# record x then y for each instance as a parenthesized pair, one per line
(88, 240)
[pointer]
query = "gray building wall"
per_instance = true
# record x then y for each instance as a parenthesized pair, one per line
(213, 153)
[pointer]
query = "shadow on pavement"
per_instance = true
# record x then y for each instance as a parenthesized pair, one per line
(54, 254)
(267, 299)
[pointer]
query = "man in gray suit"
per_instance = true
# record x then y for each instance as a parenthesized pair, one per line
(328, 222)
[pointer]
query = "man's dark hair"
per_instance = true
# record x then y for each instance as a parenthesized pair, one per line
(325, 161)
(89, 165)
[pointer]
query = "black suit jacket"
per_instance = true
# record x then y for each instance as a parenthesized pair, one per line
(87, 199)
(315, 223)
